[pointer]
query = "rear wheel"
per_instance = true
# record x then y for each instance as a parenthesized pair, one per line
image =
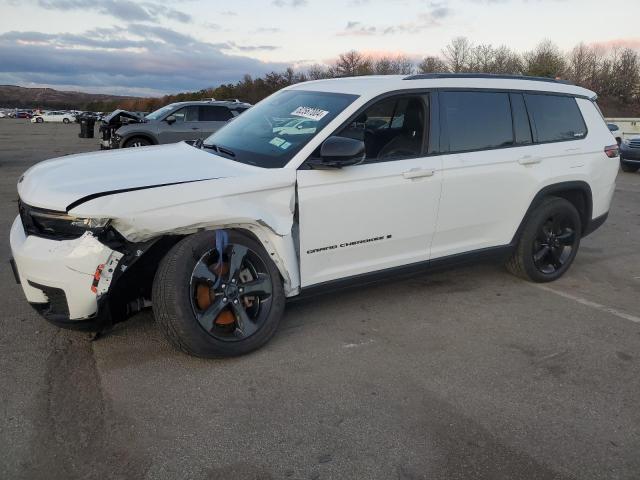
(218, 295)
(39, 120)
(65, 120)
(549, 242)
(137, 142)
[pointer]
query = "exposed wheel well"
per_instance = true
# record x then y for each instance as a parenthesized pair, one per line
(128, 293)
(578, 193)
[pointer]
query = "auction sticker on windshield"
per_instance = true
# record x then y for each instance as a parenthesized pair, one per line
(310, 113)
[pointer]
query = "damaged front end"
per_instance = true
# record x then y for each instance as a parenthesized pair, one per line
(80, 273)
(112, 122)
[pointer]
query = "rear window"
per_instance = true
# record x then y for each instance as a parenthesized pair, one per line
(213, 113)
(555, 118)
(477, 120)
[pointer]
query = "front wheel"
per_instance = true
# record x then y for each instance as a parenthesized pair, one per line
(136, 142)
(217, 295)
(65, 121)
(549, 242)
(39, 120)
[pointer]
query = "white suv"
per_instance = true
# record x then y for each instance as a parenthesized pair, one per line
(399, 173)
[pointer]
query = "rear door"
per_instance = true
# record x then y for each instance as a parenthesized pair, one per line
(491, 170)
(381, 213)
(212, 118)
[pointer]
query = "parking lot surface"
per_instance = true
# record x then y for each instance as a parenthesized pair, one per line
(469, 373)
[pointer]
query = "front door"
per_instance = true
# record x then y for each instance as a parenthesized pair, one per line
(381, 213)
(185, 127)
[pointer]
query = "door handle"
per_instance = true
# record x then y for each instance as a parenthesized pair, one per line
(418, 172)
(195, 128)
(529, 160)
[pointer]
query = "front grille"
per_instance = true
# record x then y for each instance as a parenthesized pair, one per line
(57, 300)
(634, 143)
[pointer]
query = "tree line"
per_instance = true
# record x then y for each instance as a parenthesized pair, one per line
(614, 74)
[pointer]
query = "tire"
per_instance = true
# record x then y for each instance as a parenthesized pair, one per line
(628, 168)
(192, 328)
(65, 121)
(39, 120)
(137, 142)
(540, 256)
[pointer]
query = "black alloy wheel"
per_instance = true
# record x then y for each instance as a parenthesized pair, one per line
(231, 296)
(554, 244)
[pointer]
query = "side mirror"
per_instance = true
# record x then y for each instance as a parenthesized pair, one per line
(338, 152)
(170, 119)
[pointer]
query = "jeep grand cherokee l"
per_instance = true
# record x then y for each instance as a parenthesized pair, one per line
(399, 173)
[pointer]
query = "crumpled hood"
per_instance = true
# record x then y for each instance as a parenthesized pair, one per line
(55, 184)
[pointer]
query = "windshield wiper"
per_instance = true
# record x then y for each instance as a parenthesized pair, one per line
(219, 149)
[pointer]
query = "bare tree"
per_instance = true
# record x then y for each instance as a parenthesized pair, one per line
(458, 54)
(353, 63)
(507, 61)
(432, 64)
(398, 65)
(546, 60)
(317, 72)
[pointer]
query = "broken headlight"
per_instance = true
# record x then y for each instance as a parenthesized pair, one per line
(58, 225)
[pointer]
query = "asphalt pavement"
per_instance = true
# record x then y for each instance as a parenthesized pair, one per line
(464, 374)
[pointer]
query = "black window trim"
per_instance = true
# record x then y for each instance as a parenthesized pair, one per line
(534, 128)
(436, 139)
(431, 135)
(444, 130)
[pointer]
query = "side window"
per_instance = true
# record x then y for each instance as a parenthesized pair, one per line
(186, 114)
(476, 120)
(555, 118)
(392, 129)
(214, 113)
(521, 126)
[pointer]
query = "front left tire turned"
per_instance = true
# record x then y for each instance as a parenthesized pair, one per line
(218, 295)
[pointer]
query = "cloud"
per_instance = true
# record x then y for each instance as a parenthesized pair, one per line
(289, 3)
(618, 43)
(144, 57)
(267, 30)
(424, 21)
(127, 10)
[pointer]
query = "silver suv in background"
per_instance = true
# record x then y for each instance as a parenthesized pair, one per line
(170, 124)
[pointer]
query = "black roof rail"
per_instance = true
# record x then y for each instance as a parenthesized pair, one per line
(427, 76)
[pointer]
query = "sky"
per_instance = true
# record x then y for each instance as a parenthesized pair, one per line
(156, 47)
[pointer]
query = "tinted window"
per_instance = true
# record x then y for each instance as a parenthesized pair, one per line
(186, 114)
(555, 117)
(392, 129)
(477, 120)
(214, 114)
(521, 127)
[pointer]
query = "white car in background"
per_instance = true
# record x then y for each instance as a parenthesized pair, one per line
(57, 117)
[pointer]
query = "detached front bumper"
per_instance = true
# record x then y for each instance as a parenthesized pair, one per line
(57, 276)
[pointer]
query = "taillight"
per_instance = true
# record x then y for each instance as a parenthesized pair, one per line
(612, 151)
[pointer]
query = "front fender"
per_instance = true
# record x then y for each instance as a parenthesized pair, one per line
(261, 204)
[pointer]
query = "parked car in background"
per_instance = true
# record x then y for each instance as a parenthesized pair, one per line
(615, 131)
(21, 114)
(217, 234)
(54, 117)
(169, 124)
(630, 154)
(3, 115)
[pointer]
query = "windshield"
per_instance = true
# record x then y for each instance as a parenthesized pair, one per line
(158, 114)
(258, 136)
